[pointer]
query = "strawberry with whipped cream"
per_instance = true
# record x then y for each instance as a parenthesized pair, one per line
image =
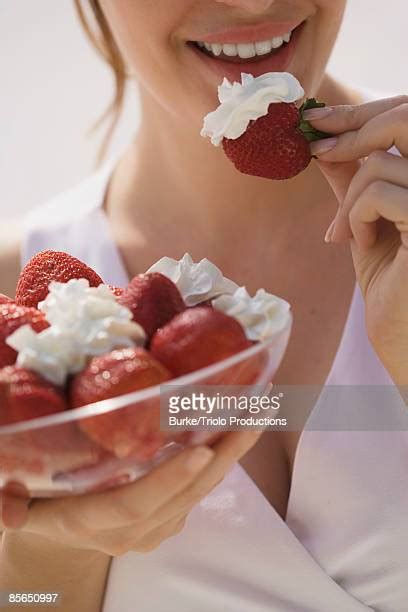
(260, 126)
(84, 322)
(261, 316)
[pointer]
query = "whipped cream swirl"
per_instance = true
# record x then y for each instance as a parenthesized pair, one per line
(261, 316)
(243, 102)
(197, 282)
(84, 321)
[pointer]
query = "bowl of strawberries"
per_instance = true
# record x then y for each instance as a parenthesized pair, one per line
(83, 365)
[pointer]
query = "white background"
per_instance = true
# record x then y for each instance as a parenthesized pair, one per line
(53, 87)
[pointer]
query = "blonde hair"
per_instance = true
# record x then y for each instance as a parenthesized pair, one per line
(102, 39)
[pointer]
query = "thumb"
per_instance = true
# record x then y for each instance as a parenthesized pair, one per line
(14, 503)
(339, 177)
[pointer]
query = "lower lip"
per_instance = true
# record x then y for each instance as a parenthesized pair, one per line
(278, 62)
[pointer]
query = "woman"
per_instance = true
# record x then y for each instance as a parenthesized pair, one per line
(324, 532)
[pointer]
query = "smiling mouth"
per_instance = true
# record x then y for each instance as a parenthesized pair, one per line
(250, 52)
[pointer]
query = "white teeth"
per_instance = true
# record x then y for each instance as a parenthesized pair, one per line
(277, 42)
(246, 50)
(264, 47)
(230, 50)
(216, 48)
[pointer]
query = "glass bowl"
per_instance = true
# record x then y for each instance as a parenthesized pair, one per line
(60, 455)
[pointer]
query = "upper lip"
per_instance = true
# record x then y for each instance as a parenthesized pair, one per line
(250, 33)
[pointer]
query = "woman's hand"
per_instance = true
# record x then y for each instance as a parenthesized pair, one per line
(372, 189)
(135, 517)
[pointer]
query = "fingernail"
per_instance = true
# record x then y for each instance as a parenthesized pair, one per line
(323, 146)
(199, 458)
(329, 232)
(317, 113)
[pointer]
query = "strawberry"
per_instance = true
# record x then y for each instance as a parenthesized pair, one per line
(4, 299)
(16, 456)
(135, 429)
(52, 450)
(197, 338)
(153, 299)
(11, 318)
(275, 146)
(47, 266)
(117, 291)
(24, 395)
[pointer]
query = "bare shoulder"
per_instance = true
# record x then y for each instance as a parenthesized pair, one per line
(10, 245)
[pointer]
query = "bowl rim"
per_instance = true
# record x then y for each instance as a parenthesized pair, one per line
(115, 403)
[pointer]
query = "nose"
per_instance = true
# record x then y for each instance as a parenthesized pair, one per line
(253, 6)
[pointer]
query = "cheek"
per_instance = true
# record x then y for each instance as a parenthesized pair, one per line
(333, 9)
(146, 33)
(141, 28)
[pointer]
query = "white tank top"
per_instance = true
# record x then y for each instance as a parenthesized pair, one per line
(344, 544)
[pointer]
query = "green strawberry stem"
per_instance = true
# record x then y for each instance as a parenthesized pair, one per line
(309, 132)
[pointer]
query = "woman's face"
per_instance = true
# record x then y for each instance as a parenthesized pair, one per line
(162, 42)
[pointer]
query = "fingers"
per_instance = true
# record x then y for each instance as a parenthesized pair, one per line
(121, 541)
(128, 504)
(169, 519)
(379, 167)
(380, 133)
(156, 489)
(379, 200)
(227, 452)
(339, 119)
(152, 540)
(364, 130)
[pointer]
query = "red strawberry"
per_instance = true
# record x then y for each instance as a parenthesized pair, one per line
(4, 299)
(50, 451)
(153, 299)
(11, 318)
(24, 395)
(17, 456)
(131, 431)
(197, 338)
(50, 266)
(275, 146)
(117, 291)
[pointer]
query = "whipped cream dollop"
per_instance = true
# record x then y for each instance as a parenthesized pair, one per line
(243, 102)
(197, 282)
(84, 321)
(261, 316)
